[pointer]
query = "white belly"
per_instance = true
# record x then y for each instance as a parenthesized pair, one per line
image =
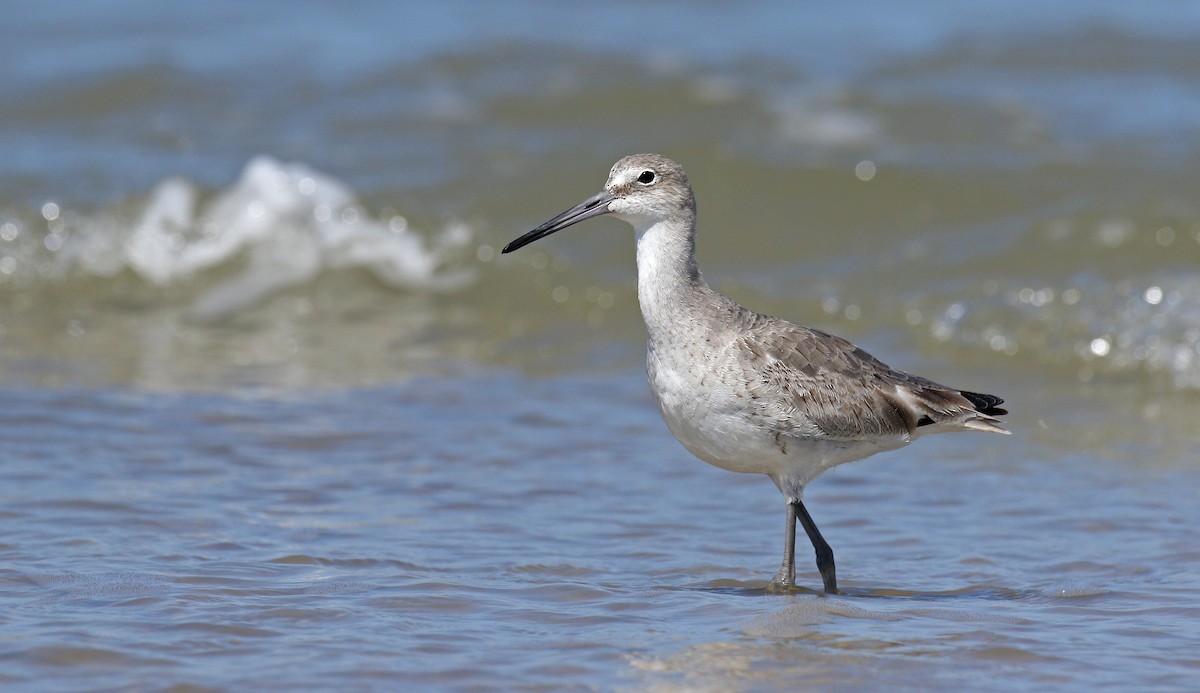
(710, 419)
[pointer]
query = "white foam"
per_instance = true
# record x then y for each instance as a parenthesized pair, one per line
(284, 223)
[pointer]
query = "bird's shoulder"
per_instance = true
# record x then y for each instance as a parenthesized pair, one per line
(792, 350)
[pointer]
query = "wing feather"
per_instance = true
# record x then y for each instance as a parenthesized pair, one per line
(804, 378)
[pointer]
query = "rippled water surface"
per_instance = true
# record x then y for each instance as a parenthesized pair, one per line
(276, 415)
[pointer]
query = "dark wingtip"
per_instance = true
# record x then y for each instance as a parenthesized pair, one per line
(985, 404)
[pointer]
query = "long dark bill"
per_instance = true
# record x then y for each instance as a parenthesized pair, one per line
(594, 206)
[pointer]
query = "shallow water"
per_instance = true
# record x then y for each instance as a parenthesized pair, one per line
(277, 415)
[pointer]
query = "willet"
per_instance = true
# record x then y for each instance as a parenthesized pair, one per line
(752, 393)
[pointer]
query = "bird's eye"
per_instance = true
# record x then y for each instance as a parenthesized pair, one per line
(646, 178)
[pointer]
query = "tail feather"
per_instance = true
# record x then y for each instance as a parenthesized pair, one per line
(941, 408)
(985, 404)
(983, 422)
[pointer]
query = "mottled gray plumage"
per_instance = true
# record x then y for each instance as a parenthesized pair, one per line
(749, 392)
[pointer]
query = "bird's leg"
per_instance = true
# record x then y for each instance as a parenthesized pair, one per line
(785, 579)
(824, 553)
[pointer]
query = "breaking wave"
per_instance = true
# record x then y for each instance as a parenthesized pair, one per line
(279, 225)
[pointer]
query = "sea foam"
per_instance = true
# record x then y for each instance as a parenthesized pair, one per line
(279, 225)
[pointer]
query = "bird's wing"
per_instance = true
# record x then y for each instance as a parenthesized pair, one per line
(804, 378)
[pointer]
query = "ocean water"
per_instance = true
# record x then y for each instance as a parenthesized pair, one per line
(276, 415)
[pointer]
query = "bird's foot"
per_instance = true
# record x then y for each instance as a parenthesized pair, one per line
(782, 583)
(830, 582)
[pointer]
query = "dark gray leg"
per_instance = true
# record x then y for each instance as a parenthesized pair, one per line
(824, 553)
(786, 577)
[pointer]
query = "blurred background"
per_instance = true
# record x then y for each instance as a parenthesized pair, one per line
(263, 196)
(255, 323)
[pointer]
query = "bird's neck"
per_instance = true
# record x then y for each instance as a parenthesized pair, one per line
(668, 279)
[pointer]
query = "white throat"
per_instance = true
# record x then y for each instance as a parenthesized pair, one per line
(667, 274)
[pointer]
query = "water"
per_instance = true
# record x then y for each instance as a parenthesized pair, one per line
(277, 415)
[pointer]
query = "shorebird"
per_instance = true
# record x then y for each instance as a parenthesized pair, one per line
(752, 393)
